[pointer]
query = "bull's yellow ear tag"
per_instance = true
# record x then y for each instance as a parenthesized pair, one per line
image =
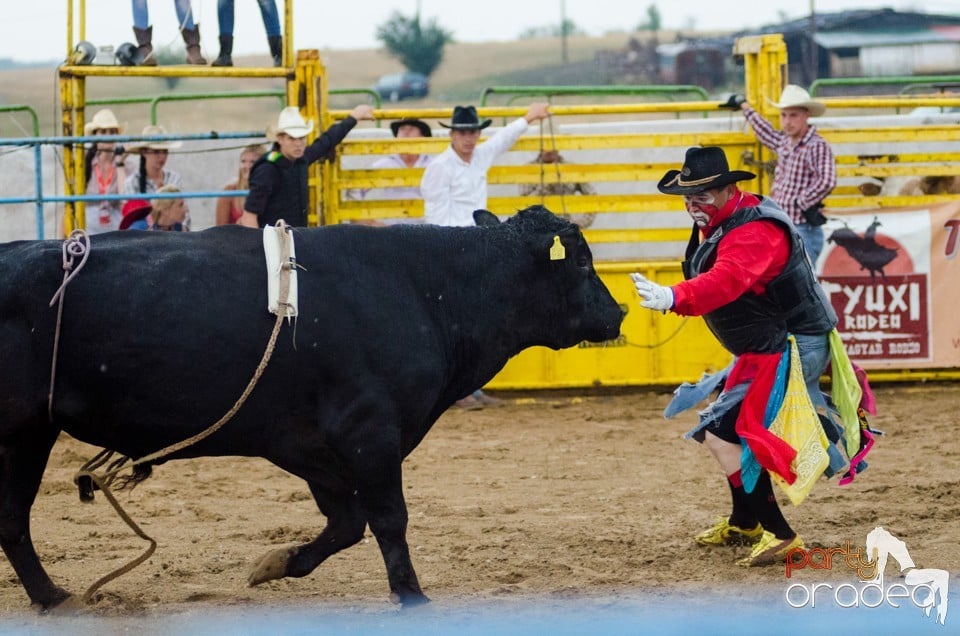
(557, 251)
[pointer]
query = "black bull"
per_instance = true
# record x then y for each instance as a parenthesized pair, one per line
(162, 331)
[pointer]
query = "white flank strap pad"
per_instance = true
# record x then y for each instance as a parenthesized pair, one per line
(272, 249)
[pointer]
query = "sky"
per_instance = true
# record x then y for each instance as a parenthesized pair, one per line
(34, 30)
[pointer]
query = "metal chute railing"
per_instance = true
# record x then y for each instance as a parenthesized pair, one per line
(40, 198)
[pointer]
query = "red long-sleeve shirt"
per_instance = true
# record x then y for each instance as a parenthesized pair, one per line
(747, 259)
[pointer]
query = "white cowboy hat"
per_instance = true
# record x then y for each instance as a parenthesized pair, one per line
(154, 129)
(103, 120)
(795, 97)
(290, 122)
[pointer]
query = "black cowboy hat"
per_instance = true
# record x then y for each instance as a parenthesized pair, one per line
(703, 169)
(466, 118)
(411, 121)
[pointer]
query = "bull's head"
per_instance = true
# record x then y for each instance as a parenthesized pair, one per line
(561, 287)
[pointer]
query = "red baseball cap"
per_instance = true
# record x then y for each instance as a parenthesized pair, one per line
(134, 210)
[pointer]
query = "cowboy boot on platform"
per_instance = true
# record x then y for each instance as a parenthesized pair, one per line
(191, 37)
(226, 52)
(144, 56)
(276, 49)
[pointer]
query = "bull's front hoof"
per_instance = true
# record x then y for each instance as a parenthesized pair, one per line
(271, 566)
(409, 599)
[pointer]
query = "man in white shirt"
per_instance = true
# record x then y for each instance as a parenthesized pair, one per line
(455, 182)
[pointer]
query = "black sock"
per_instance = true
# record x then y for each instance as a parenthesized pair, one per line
(742, 514)
(764, 505)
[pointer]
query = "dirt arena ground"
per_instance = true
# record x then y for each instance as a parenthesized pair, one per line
(547, 496)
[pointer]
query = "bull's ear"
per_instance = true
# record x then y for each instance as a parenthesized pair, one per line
(485, 217)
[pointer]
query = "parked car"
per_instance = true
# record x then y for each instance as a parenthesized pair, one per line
(397, 86)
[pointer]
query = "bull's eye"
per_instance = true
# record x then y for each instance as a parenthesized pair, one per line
(583, 261)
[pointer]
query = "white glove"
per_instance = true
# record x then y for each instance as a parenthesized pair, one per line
(652, 296)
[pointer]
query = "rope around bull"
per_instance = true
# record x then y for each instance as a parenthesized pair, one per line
(78, 244)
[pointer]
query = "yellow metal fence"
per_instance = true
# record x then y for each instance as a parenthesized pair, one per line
(624, 164)
(622, 150)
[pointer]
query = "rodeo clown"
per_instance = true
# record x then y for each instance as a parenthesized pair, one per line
(748, 275)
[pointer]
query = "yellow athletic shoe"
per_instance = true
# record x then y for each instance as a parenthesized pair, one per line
(770, 550)
(722, 533)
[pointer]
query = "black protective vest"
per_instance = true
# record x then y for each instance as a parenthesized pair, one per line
(793, 302)
(290, 197)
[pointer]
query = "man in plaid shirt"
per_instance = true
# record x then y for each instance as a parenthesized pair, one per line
(806, 171)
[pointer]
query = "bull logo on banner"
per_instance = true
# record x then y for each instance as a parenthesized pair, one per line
(875, 269)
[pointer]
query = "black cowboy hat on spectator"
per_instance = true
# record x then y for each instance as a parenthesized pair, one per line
(466, 118)
(703, 169)
(411, 121)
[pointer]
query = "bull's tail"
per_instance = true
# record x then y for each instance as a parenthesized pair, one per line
(87, 486)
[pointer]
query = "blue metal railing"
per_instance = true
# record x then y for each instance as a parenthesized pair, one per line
(39, 198)
(36, 158)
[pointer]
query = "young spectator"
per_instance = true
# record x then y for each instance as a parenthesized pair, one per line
(169, 215)
(105, 172)
(408, 128)
(271, 23)
(551, 186)
(162, 215)
(143, 31)
(230, 209)
(135, 214)
(278, 180)
(153, 173)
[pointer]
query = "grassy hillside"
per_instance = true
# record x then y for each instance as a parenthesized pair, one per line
(466, 70)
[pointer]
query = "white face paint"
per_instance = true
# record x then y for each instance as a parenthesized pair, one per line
(701, 207)
(700, 218)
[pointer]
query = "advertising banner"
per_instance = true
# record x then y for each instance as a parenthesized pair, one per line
(892, 276)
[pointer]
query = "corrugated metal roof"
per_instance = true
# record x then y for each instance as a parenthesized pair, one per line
(860, 20)
(860, 39)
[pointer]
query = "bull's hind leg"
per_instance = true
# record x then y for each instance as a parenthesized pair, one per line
(22, 462)
(380, 492)
(378, 501)
(345, 525)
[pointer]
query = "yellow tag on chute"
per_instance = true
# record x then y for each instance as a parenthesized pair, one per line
(557, 251)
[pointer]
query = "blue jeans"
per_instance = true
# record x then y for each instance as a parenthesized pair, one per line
(141, 17)
(268, 11)
(812, 238)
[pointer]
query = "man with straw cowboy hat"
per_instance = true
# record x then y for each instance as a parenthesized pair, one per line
(278, 180)
(806, 171)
